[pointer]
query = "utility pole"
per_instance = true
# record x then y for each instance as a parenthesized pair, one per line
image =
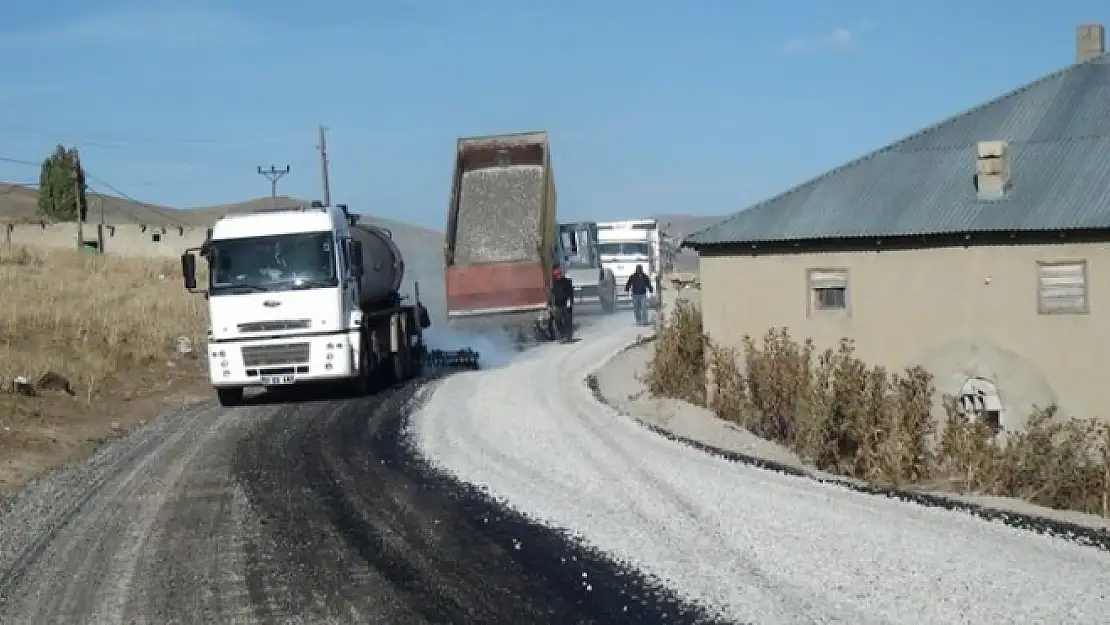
(273, 174)
(79, 199)
(324, 178)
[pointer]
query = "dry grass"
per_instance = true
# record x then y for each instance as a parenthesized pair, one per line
(108, 325)
(844, 416)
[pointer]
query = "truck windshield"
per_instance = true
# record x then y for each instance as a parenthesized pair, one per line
(641, 251)
(273, 263)
(576, 246)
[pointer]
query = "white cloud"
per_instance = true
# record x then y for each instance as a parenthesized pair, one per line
(142, 26)
(838, 39)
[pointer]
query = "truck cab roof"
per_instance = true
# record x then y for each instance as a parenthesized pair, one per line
(280, 221)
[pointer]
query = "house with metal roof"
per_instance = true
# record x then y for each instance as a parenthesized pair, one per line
(978, 247)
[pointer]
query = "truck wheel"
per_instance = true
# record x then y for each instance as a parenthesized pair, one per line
(402, 365)
(609, 304)
(360, 386)
(230, 397)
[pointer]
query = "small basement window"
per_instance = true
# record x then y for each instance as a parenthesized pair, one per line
(828, 289)
(979, 401)
(1062, 287)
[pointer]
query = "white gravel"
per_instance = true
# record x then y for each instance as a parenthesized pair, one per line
(757, 546)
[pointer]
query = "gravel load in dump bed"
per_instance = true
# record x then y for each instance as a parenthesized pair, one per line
(499, 214)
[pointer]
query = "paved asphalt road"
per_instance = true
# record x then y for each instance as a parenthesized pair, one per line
(308, 512)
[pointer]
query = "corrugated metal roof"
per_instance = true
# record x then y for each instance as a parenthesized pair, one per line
(1058, 128)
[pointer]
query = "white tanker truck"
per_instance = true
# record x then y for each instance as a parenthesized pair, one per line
(307, 295)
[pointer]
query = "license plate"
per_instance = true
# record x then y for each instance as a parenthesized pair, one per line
(276, 380)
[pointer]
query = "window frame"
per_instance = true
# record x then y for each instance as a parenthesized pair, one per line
(1085, 309)
(811, 292)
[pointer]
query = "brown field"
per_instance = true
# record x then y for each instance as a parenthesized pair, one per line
(110, 328)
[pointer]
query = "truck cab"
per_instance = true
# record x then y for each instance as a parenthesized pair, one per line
(582, 263)
(285, 304)
(278, 304)
(625, 244)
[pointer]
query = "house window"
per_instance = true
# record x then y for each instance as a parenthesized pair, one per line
(1062, 287)
(828, 289)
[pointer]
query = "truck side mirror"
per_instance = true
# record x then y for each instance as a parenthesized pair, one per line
(189, 270)
(356, 258)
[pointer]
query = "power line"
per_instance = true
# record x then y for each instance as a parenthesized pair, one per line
(18, 161)
(132, 211)
(15, 128)
(155, 210)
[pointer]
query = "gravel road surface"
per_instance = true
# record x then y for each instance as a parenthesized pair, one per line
(752, 545)
(310, 512)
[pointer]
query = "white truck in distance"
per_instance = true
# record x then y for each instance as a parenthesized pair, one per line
(625, 244)
(303, 295)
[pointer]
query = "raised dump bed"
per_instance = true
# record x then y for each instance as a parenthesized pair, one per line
(500, 241)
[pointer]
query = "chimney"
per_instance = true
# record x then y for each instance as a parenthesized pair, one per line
(992, 171)
(1090, 41)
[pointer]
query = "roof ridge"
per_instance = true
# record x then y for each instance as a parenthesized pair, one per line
(1102, 58)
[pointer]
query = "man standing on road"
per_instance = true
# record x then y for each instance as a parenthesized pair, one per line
(562, 300)
(640, 285)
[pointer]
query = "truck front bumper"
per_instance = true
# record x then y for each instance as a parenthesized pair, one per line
(285, 360)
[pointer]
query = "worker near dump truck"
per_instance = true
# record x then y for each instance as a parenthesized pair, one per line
(639, 284)
(562, 303)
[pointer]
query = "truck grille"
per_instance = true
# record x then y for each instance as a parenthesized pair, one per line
(270, 355)
(274, 326)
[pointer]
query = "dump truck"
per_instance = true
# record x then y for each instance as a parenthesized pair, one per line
(501, 238)
(306, 295)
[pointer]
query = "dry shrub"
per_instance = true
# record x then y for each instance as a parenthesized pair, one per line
(91, 317)
(844, 416)
(678, 368)
(836, 412)
(1053, 462)
(728, 397)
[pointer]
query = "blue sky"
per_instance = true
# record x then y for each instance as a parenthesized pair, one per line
(653, 107)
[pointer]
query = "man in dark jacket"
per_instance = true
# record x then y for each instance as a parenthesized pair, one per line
(562, 301)
(639, 284)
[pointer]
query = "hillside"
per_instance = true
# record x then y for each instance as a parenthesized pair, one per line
(18, 205)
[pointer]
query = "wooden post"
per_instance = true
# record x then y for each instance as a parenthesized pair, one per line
(76, 175)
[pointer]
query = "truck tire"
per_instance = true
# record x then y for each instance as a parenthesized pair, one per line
(609, 304)
(402, 363)
(230, 397)
(360, 385)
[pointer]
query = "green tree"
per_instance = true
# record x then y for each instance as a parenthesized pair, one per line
(58, 191)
